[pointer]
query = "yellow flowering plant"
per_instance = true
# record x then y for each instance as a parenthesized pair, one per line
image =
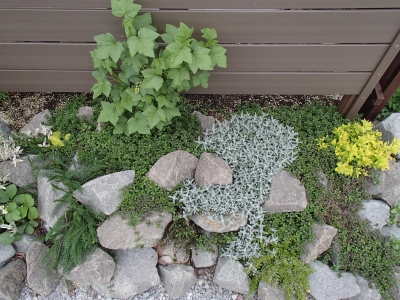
(358, 148)
(56, 139)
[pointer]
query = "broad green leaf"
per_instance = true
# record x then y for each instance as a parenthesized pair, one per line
(178, 54)
(9, 218)
(201, 60)
(201, 79)
(17, 237)
(22, 227)
(129, 27)
(108, 114)
(170, 34)
(108, 47)
(178, 75)
(108, 64)
(101, 87)
(163, 101)
(185, 85)
(139, 124)
(185, 32)
(171, 112)
(23, 211)
(121, 126)
(11, 191)
(136, 62)
(118, 106)
(144, 21)
(143, 43)
(115, 93)
(100, 74)
(3, 197)
(33, 223)
(16, 215)
(154, 115)
(209, 33)
(159, 65)
(123, 78)
(160, 125)
(6, 238)
(28, 200)
(29, 229)
(151, 79)
(218, 56)
(125, 8)
(32, 213)
(11, 206)
(129, 99)
(148, 99)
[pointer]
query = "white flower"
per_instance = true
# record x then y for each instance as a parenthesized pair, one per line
(3, 210)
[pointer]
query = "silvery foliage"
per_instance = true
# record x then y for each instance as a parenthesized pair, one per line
(256, 148)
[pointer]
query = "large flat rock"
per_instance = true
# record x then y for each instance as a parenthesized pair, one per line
(212, 170)
(12, 277)
(210, 225)
(230, 275)
(178, 279)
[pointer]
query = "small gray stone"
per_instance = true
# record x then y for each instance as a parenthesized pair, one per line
(210, 225)
(103, 194)
(326, 284)
(25, 243)
(178, 279)
(212, 170)
(47, 194)
(376, 212)
(38, 279)
(391, 230)
(178, 255)
(135, 273)
(206, 122)
(4, 129)
(115, 233)
(11, 279)
(230, 275)
(97, 269)
(322, 179)
(270, 292)
(336, 252)
(367, 293)
(286, 195)
(172, 169)
(34, 123)
(6, 252)
(324, 235)
(390, 128)
(85, 113)
(205, 259)
(21, 175)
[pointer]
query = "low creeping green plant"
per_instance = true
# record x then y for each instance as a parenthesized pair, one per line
(145, 91)
(17, 214)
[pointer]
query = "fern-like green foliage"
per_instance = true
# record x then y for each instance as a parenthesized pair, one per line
(73, 237)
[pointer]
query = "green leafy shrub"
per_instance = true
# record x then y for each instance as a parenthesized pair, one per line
(146, 90)
(359, 148)
(73, 236)
(17, 214)
(394, 215)
(393, 106)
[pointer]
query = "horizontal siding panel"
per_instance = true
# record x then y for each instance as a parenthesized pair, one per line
(338, 26)
(338, 58)
(210, 4)
(220, 83)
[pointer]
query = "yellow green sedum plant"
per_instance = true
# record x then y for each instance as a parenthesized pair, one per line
(359, 148)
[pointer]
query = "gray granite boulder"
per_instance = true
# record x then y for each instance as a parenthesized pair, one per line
(172, 169)
(324, 235)
(286, 195)
(47, 194)
(178, 279)
(206, 122)
(391, 230)
(6, 252)
(205, 259)
(21, 175)
(212, 170)
(85, 113)
(376, 212)
(367, 293)
(115, 233)
(390, 128)
(325, 284)
(97, 269)
(230, 275)
(24, 243)
(270, 292)
(177, 254)
(12, 277)
(35, 122)
(38, 279)
(210, 225)
(135, 273)
(103, 194)
(5, 131)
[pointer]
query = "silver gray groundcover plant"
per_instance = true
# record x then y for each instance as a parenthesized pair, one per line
(256, 148)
